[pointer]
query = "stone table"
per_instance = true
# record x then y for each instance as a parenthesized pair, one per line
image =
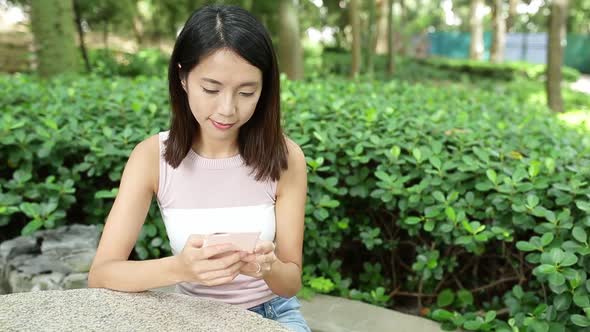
(97, 309)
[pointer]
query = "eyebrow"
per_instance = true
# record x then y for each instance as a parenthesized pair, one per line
(210, 80)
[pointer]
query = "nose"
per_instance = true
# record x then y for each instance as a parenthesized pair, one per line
(228, 105)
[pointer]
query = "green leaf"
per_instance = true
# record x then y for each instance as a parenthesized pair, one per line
(472, 325)
(445, 298)
(525, 246)
(31, 227)
(465, 297)
(429, 225)
(492, 176)
(441, 315)
(581, 299)
(546, 269)
(151, 230)
(532, 201)
(584, 206)
(106, 193)
(439, 196)
(579, 234)
(556, 255)
(417, 154)
(450, 212)
(562, 302)
(569, 259)
(546, 239)
(412, 220)
(580, 320)
(490, 316)
(382, 176)
(557, 279)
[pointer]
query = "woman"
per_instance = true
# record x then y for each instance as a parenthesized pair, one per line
(224, 166)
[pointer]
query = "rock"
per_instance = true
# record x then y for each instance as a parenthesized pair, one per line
(43, 260)
(96, 309)
(19, 282)
(78, 260)
(33, 265)
(18, 245)
(50, 281)
(65, 240)
(75, 280)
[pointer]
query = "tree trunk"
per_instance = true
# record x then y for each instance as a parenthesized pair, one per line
(390, 44)
(290, 52)
(381, 46)
(512, 14)
(476, 22)
(371, 38)
(499, 37)
(81, 35)
(402, 23)
(52, 23)
(105, 34)
(138, 30)
(557, 36)
(356, 38)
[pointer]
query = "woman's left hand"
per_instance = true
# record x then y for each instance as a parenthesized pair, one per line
(260, 262)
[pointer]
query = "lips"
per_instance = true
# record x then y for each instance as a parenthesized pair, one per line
(221, 125)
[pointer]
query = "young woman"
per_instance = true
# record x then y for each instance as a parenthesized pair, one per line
(223, 166)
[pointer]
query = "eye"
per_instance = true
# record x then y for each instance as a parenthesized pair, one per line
(247, 94)
(210, 91)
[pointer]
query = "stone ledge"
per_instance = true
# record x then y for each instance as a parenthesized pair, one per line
(97, 309)
(330, 314)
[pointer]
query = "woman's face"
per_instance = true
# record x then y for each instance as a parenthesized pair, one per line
(223, 90)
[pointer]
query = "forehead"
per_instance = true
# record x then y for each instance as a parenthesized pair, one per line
(227, 67)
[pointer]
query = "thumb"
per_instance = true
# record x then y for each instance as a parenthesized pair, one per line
(195, 241)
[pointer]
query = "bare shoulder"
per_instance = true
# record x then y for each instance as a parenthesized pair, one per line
(147, 152)
(295, 157)
(296, 173)
(295, 153)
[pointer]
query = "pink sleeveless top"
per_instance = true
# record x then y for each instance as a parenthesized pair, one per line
(203, 196)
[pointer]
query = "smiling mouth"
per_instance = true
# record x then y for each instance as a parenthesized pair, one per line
(222, 125)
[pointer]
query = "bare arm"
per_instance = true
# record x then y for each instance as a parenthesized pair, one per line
(110, 267)
(285, 276)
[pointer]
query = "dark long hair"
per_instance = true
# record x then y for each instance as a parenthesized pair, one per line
(211, 28)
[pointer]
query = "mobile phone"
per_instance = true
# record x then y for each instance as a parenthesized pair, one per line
(244, 241)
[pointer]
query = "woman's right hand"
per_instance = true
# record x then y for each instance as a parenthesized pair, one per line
(209, 266)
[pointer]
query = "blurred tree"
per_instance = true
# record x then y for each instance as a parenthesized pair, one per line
(390, 40)
(354, 14)
(52, 23)
(371, 37)
(290, 51)
(80, 29)
(476, 21)
(512, 14)
(499, 35)
(557, 35)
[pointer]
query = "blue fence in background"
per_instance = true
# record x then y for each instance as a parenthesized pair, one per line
(530, 47)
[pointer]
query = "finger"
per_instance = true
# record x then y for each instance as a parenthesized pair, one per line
(220, 281)
(267, 259)
(264, 247)
(195, 241)
(229, 271)
(208, 252)
(222, 263)
(249, 258)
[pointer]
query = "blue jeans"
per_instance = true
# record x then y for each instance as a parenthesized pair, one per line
(285, 311)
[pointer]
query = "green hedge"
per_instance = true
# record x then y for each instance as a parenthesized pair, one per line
(334, 63)
(479, 204)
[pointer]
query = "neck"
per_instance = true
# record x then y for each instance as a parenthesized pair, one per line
(216, 149)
